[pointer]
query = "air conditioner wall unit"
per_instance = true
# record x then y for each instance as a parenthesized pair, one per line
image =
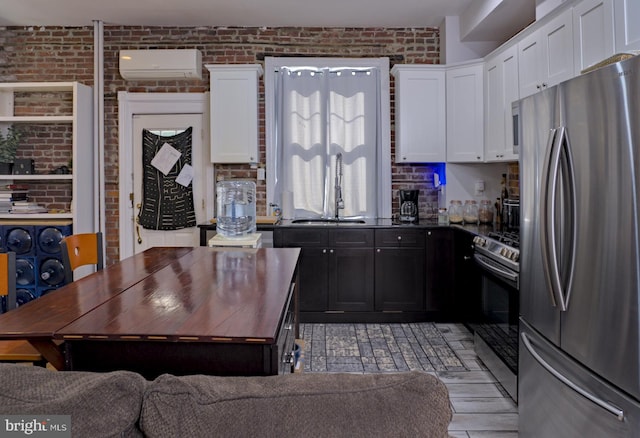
(161, 64)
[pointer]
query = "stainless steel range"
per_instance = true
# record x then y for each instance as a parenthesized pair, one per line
(497, 257)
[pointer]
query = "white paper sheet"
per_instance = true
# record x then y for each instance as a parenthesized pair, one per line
(166, 158)
(186, 175)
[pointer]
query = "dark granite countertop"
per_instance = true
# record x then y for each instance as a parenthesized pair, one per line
(373, 223)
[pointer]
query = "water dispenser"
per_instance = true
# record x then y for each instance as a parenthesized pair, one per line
(236, 208)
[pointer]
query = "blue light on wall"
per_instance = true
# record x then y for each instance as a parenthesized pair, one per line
(439, 174)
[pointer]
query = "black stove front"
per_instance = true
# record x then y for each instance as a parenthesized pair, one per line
(496, 329)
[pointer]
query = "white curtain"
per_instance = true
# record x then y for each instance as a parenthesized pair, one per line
(321, 112)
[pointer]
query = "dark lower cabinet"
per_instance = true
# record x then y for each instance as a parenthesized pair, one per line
(466, 279)
(399, 270)
(351, 279)
(396, 274)
(439, 268)
(313, 267)
(335, 269)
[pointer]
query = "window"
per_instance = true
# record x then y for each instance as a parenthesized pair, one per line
(317, 109)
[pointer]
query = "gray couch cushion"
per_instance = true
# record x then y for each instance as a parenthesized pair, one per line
(100, 405)
(412, 404)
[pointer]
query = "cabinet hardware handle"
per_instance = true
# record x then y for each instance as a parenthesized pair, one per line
(399, 237)
(324, 251)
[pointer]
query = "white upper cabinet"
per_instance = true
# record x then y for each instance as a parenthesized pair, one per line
(627, 28)
(465, 113)
(234, 112)
(420, 111)
(546, 56)
(501, 89)
(592, 33)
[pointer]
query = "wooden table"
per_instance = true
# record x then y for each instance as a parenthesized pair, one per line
(170, 310)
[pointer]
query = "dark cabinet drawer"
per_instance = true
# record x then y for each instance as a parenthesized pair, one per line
(301, 237)
(352, 238)
(399, 237)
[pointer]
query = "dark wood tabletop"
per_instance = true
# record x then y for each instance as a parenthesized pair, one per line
(165, 294)
(208, 294)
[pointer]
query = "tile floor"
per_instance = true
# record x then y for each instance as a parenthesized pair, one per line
(482, 409)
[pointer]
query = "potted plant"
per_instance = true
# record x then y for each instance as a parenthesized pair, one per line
(8, 145)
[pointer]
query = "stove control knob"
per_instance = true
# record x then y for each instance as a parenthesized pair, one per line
(503, 252)
(515, 256)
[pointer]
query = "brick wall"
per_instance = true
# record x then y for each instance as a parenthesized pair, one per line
(66, 54)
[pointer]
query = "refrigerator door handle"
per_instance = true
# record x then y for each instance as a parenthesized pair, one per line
(558, 147)
(547, 214)
(569, 210)
(617, 412)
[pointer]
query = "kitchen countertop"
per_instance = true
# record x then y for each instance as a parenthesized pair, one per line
(371, 223)
(386, 223)
(368, 223)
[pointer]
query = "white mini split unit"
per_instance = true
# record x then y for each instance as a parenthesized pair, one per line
(161, 64)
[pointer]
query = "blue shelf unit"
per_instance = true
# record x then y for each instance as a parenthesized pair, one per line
(39, 265)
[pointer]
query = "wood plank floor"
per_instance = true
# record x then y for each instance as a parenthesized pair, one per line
(482, 408)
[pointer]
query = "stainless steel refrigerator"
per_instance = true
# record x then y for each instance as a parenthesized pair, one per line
(579, 352)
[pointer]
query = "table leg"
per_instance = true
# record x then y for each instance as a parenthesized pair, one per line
(50, 351)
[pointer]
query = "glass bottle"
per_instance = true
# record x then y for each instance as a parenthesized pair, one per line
(470, 212)
(443, 217)
(455, 212)
(236, 208)
(485, 212)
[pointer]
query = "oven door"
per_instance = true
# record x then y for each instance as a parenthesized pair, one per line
(501, 272)
(496, 331)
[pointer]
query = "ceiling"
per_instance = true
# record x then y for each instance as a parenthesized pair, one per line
(252, 13)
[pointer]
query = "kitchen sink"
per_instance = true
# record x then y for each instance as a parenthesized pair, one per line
(327, 221)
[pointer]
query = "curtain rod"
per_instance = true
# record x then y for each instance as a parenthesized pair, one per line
(261, 56)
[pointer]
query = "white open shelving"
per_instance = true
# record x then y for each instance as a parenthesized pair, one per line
(82, 206)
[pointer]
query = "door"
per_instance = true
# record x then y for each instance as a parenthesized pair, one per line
(600, 326)
(560, 398)
(167, 125)
(537, 118)
(592, 32)
(465, 114)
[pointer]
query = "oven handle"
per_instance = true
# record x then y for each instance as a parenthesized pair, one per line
(504, 273)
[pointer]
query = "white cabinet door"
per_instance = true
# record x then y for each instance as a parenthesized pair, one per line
(465, 113)
(557, 49)
(234, 112)
(529, 64)
(420, 111)
(501, 89)
(592, 33)
(546, 56)
(627, 28)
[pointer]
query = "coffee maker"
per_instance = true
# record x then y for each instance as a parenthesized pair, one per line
(409, 205)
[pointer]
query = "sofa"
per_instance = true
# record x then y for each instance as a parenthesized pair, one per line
(124, 404)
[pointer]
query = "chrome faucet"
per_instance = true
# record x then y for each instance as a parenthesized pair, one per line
(338, 185)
